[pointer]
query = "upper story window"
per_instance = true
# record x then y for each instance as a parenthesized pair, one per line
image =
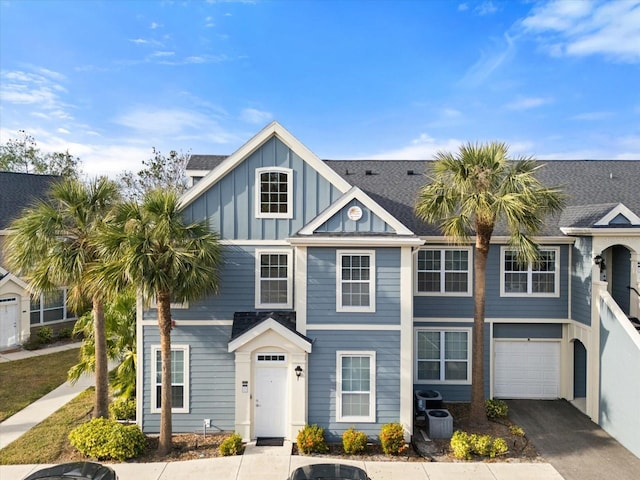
(541, 278)
(355, 281)
(443, 355)
(274, 279)
(274, 192)
(445, 271)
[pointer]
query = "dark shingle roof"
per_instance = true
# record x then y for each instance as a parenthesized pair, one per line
(245, 321)
(21, 190)
(590, 186)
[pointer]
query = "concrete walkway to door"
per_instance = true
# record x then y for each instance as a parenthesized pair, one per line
(575, 446)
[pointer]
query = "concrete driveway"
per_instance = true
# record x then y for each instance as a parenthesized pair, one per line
(575, 446)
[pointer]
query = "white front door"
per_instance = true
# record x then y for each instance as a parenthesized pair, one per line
(8, 322)
(270, 401)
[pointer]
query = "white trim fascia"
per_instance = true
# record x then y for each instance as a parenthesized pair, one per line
(355, 194)
(602, 232)
(300, 289)
(262, 243)
(140, 361)
(196, 173)
(261, 328)
(619, 209)
(356, 241)
(189, 323)
(10, 277)
(272, 129)
(3, 271)
(496, 239)
(360, 327)
(406, 339)
(446, 320)
(528, 340)
(497, 320)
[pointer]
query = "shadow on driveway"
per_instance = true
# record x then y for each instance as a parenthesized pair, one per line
(568, 439)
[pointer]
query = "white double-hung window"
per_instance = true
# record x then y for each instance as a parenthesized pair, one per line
(443, 355)
(540, 278)
(274, 278)
(179, 378)
(274, 192)
(443, 271)
(356, 389)
(355, 282)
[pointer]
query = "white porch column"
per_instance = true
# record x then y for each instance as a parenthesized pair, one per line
(244, 392)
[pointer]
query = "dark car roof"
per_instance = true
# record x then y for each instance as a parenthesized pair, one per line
(73, 471)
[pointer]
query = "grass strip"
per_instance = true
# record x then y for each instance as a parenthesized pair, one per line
(48, 441)
(25, 381)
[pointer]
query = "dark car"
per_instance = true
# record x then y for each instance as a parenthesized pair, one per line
(328, 471)
(74, 471)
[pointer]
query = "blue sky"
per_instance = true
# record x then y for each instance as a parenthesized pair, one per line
(108, 80)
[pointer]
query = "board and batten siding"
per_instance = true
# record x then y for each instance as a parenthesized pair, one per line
(322, 369)
(211, 379)
(368, 223)
(581, 267)
(321, 288)
(229, 205)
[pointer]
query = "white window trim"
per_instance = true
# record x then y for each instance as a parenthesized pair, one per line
(154, 350)
(529, 293)
(258, 199)
(372, 281)
(276, 251)
(441, 330)
(372, 383)
(469, 291)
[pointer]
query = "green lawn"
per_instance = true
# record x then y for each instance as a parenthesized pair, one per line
(24, 381)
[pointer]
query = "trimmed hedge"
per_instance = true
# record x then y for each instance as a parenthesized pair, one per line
(106, 439)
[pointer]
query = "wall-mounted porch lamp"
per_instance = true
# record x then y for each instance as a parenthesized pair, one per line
(298, 371)
(599, 261)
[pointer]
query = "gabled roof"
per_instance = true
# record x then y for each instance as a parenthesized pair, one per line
(271, 130)
(250, 325)
(21, 190)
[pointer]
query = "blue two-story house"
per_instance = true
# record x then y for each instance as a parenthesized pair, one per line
(337, 303)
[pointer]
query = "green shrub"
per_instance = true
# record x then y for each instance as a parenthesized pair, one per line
(392, 439)
(105, 439)
(45, 334)
(232, 445)
(353, 441)
(32, 343)
(496, 408)
(311, 439)
(66, 332)
(123, 409)
(463, 445)
(516, 430)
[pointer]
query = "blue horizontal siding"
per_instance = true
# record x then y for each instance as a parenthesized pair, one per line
(321, 288)
(211, 379)
(322, 378)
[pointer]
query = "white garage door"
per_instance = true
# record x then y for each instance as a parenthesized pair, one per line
(526, 369)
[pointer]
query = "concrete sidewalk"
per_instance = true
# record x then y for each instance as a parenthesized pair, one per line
(264, 463)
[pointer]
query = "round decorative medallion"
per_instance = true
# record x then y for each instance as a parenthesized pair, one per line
(354, 213)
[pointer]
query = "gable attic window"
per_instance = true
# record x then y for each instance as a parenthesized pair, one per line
(274, 192)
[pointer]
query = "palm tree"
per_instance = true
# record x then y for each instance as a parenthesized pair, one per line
(150, 246)
(51, 246)
(468, 194)
(120, 329)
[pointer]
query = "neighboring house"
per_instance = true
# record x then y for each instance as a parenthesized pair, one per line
(337, 303)
(21, 313)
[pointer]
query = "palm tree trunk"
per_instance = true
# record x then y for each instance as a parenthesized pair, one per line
(478, 415)
(164, 323)
(101, 407)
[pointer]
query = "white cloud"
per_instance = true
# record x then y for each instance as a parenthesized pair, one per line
(490, 61)
(155, 25)
(463, 7)
(252, 115)
(526, 103)
(592, 116)
(139, 41)
(163, 54)
(486, 8)
(25, 88)
(581, 28)
(63, 131)
(422, 148)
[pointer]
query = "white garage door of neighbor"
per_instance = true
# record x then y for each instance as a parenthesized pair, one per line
(526, 369)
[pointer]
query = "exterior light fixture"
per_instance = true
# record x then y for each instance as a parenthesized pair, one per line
(298, 371)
